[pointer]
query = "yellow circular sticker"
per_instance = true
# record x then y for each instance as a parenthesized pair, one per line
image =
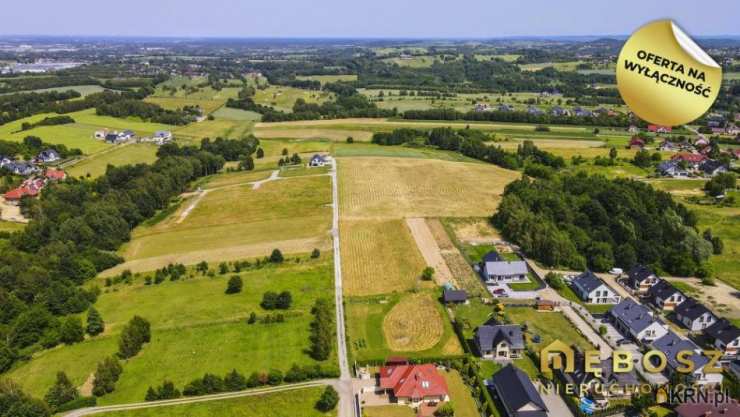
(665, 77)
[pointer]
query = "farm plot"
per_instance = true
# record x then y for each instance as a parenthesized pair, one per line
(379, 256)
(224, 128)
(324, 79)
(96, 164)
(375, 323)
(237, 114)
(337, 135)
(414, 324)
(236, 221)
(196, 328)
(174, 103)
(283, 98)
(399, 187)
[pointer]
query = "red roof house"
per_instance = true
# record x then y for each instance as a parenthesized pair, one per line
(636, 142)
(55, 174)
(659, 129)
(704, 409)
(413, 383)
(30, 187)
(693, 158)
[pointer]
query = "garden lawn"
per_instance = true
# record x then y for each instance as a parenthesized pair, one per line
(365, 323)
(460, 395)
(292, 403)
(548, 325)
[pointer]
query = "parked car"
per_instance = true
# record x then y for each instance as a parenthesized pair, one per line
(499, 291)
(616, 271)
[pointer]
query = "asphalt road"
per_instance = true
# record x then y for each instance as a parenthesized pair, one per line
(346, 392)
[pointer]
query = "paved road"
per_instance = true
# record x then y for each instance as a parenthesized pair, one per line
(346, 392)
(189, 400)
(556, 406)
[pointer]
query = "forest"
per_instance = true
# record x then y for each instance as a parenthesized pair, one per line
(588, 221)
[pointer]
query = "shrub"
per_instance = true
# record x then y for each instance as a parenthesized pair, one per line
(276, 256)
(133, 336)
(329, 399)
(95, 324)
(315, 254)
(62, 392)
(235, 285)
(427, 274)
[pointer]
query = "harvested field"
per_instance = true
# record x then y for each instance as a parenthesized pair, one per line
(472, 229)
(303, 133)
(414, 324)
(379, 256)
(403, 187)
(429, 249)
(440, 234)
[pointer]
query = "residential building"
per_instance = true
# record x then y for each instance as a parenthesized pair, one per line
(712, 167)
(559, 111)
(504, 108)
(517, 393)
(55, 174)
(592, 289)
(636, 143)
(659, 129)
(535, 110)
(452, 296)
(640, 279)
(499, 341)
(413, 384)
(494, 271)
(30, 188)
(667, 146)
(47, 156)
(318, 161)
(671, 345)
(637, 321)
(603, 386)
(665, 296)
(725, 336)
(162, 136)
(581, 112)
(672, 169)
(693, 160)
(694, 315)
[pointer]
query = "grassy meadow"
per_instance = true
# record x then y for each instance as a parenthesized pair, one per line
(196, 328)
(237, 221)
(96, 164)
(283, 98)
(298, 403)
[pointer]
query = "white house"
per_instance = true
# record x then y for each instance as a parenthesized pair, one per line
(671, 345)
(694, 315)
(318, 161)
(637, 321)
(665, 296)
(593, 290)
(494, 269)
(726, 337)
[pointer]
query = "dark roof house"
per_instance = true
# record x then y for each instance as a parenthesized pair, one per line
(694, 315)
(454, 296)
(517, 393)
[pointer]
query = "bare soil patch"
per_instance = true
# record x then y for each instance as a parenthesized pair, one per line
(429, 250)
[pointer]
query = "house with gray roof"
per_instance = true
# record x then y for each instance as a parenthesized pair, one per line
(493, 269)
(665, 296)
(602, 386)
(726, 338)
(500, 341)
(592, 289)
(637, 321)
(694, 315)
(640, 279)
(517, 393)
(671, 345)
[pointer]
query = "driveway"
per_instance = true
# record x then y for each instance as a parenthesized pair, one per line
(556, 406)
(611, 281)
(614, 335)
(517, 295)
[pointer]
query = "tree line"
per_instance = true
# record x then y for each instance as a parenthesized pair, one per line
(519, 117)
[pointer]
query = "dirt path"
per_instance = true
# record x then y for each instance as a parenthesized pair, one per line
(275, 175)
(196, 200)
(429, 249)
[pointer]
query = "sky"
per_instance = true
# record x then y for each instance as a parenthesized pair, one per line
(361, 19)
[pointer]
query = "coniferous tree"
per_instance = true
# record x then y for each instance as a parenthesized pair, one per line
(95, 323)
(234, 285)
(71, 331)
(328, 400)
(62, 392)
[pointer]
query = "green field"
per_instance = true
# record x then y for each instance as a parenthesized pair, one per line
(96, 164)
(238, 221)
(78, 134)
(297, 403)
(221, 127)
(237, 114)
(175, 103)
(283, 98)
(366, 338)
(85, 90)
(725, 223)
(325, 79)
(196, 328)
